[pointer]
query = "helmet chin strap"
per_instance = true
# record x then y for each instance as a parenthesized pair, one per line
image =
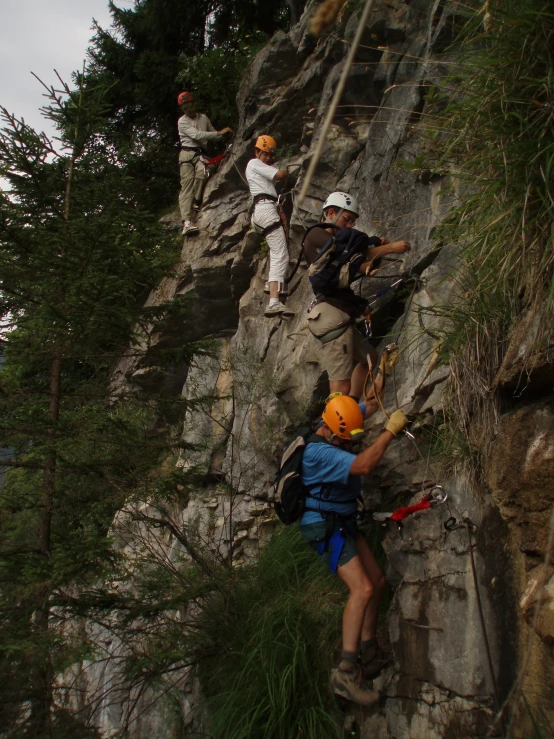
(335, 219)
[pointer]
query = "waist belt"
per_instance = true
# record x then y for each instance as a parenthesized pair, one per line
(334, 333)
(191, 148)
(264, 196)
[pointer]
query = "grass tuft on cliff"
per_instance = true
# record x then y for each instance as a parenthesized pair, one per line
(501, 158)
(269, 640)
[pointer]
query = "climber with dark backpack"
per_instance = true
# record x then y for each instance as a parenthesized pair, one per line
(319, 484)
(338, 255)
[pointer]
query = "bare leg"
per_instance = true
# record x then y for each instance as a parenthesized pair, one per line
(354, 575)
(377, 580)
(358, 378)
(274, 289)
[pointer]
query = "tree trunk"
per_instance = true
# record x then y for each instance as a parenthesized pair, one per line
(41, 703)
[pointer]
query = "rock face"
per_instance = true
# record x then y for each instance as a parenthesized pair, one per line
(266, 376)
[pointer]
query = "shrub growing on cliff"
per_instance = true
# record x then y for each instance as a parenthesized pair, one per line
(269, 638)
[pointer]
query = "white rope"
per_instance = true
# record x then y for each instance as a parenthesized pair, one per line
(336, 99)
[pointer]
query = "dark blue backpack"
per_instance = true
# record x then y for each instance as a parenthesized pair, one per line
(338, 261)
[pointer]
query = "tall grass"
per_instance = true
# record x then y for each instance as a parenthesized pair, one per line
(502, 159)
(269, 640)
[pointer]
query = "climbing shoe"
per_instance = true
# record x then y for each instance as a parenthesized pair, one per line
(278, 310)
(283, 289)
(189, 229)
(373, 660)
(347, 682)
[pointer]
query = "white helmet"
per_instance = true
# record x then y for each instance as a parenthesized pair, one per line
(342, 200)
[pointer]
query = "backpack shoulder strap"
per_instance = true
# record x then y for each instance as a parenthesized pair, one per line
(315, 439)
(318, 225)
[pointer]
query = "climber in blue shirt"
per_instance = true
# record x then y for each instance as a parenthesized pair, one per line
(332, 473)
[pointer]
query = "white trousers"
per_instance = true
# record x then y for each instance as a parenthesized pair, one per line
(264, 215)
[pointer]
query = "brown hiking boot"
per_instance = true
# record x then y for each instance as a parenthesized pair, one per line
(347, 682)
(373, 660)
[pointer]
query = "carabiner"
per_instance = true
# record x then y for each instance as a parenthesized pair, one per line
(437, 498)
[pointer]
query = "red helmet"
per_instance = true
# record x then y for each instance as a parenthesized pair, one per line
(184, 97)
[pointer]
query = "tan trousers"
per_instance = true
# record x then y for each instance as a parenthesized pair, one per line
(193, 179)
(341, 355)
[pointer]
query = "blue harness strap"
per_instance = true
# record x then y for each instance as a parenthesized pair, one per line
(334, 545)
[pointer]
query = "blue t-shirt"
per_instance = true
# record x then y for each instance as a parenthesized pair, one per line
(327, 468)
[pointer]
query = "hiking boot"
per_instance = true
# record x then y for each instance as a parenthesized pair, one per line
(189, 229)
(347, 682)
(278, 310)
(373, 660)
(283, 289)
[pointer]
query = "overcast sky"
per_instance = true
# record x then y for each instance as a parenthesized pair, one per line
(40, 36)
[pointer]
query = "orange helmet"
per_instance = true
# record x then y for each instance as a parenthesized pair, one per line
(344, 417)
(266, 143)
(184, 97)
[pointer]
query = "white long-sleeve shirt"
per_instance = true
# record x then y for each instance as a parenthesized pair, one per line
(194, 133)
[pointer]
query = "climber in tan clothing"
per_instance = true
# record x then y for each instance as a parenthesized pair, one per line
(195, 130)
(333, 312)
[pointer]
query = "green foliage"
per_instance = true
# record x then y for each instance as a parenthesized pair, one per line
(499, 144)
(269, 637)
(77, 257)
(215, 76)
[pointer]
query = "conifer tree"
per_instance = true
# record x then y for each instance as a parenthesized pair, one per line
(77, 258)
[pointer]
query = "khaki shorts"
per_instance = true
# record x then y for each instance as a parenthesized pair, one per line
(341, 355)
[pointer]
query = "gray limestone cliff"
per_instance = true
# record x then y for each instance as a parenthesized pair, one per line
(267, 376)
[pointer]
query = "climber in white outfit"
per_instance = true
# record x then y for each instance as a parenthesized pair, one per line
(261, 177)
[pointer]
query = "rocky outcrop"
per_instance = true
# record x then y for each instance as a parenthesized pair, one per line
(265, 376)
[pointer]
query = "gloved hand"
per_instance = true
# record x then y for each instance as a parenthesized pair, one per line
(396, 423)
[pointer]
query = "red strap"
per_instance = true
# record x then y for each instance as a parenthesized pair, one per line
(215, 160)
(407, 510)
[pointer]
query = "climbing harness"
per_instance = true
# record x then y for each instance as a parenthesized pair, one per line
(197, 155)
(265, 230)
(334, 539)
(451, 524)
(435, 497)
(200, 155)
(335, 545)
